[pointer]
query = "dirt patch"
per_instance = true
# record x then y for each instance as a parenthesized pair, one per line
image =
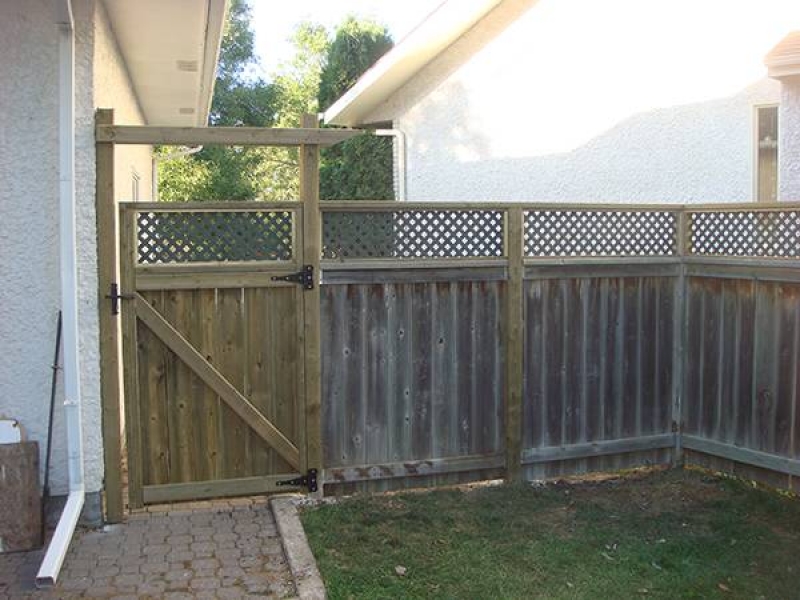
(670, 492)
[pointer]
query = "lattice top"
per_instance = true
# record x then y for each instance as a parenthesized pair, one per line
(187, 237)
(413, 234)
(553, 233)
(745, 233)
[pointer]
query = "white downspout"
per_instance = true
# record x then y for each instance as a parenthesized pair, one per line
(399, 160)
(159, 159)
(57, 550)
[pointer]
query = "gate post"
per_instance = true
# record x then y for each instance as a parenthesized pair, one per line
(107, 266)
(514, 342)
(312, 254)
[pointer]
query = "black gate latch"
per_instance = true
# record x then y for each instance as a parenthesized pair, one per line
(115, 297)
(304, 277)
(309, 481)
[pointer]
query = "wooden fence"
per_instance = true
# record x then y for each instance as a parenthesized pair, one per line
(591, 338)
(471, 341)
(446, 342)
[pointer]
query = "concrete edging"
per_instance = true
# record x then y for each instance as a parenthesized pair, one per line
(307, 579)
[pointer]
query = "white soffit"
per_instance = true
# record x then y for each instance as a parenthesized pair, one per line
(443, 26)
(171, 49)
(784, 59)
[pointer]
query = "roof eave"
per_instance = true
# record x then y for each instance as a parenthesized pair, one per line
(435, 34)
(217, 14)
(788, 67)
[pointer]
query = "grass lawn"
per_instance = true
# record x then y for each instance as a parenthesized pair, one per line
(666, 534)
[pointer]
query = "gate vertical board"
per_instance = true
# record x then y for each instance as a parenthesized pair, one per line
(127, 252)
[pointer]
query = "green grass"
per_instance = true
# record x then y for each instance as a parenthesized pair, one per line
(673, 534)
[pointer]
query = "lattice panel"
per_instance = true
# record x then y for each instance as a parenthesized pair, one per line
(746, 233)
(413, 234)
(187, 237)
(551, 233)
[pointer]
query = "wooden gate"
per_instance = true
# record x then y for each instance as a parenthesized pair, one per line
(213, 348)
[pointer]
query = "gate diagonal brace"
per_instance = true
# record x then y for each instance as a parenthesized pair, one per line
(308, 481)
(304, 277)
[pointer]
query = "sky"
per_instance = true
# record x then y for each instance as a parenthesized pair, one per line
(274, 21)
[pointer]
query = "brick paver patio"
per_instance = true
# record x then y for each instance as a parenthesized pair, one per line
(224, 549)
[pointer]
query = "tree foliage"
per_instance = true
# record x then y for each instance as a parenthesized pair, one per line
(217, 172)
(357, 45)
(360, 168)
(319, 72)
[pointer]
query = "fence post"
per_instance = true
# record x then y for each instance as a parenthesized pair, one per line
(312, 253)
(107, 265)
(680, 325)
(514, 336)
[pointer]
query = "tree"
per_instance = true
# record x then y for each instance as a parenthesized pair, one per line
(224, 173)
(317, 74)
(360, 168)
(296, 86)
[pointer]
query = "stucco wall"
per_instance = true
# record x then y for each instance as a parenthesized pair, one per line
(572, 102)
(112, 89)
(29, 269)
(789, 140)
(29, 274)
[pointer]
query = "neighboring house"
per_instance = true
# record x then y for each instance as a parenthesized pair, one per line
(588, 100)
(153, 62)
(784, 65)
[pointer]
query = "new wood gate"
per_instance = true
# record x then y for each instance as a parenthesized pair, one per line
(213, 341)
(220, 329)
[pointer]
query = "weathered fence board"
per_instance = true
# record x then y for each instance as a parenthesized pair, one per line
(598, 365)
(439, 324)
(744, 382)
(411, 372)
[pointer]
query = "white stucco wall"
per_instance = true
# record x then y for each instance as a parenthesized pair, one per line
(789, 140)
(29, 273)
(578, 100)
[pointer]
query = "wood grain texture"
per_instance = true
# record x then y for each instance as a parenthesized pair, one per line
(110, 335)
(20, 497)
(227, 136)
(598, 368)
(513, 343)
(134, 424)
(411, 372)
(312, 253)
(232, 434)
(742, 387)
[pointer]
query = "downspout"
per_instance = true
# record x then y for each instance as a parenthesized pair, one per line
(399, 147)
(57, 550)
(159, 159)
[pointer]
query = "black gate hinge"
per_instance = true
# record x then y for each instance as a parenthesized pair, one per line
(115, 297)
(304, 277)
(309, 480)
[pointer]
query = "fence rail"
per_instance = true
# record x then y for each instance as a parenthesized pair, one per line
(469, 340)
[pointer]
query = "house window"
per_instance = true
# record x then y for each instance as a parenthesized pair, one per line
(135, 180)
(766, 153)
